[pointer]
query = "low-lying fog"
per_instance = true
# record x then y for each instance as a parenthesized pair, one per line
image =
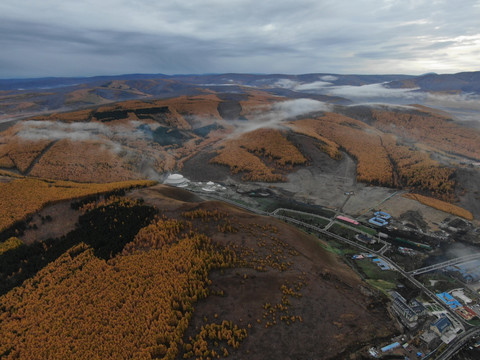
(464, 106)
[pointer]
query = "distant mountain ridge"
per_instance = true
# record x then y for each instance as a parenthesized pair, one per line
(218, 79)
(27, 97)
(468, 82)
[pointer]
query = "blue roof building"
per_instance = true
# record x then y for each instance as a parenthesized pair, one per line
(418, 307)
(400, 306)
(383, 215)
(378, 221)
(381, 264)
(441, 325)
(449, 300)
(390, 347)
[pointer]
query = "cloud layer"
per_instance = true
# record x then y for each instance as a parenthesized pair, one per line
(78, 131)
(70, 38)
(281, 111)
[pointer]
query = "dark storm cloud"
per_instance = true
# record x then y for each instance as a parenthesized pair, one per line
(89, 37)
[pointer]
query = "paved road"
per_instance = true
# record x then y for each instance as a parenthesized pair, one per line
(384, 248)
(246, 207)
(276, 211)
(458, 343)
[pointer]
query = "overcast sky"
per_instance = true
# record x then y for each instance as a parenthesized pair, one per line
(106, 37)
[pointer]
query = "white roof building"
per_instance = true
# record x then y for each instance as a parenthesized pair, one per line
(176, 180)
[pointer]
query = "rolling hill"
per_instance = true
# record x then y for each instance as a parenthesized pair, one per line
(99, 260)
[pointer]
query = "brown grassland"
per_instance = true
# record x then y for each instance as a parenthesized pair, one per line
(203, 106)
(414, 169)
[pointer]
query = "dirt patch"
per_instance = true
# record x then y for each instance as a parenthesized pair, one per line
(414, 218)
(398, 205)
(199, 168)
(54, 221)
(325, 180)
(367, 197)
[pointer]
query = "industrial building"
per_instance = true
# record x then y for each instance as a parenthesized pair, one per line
(390, 347)
(441, 325)
(449, 300)
(347, 220)
(383, 215)
(381, 264)
(459, 293)
(470, 272)
(380, 219)
(418, 307)
(365, 239)
(401, 307)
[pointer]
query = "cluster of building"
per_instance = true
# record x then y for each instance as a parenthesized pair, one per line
(462, 310)
(365, 239)
(380, 219)
(407, 312)
(379, 262)
(407, 251)
(441, 329)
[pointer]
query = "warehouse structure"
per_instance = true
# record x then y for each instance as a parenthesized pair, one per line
(400, 306)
